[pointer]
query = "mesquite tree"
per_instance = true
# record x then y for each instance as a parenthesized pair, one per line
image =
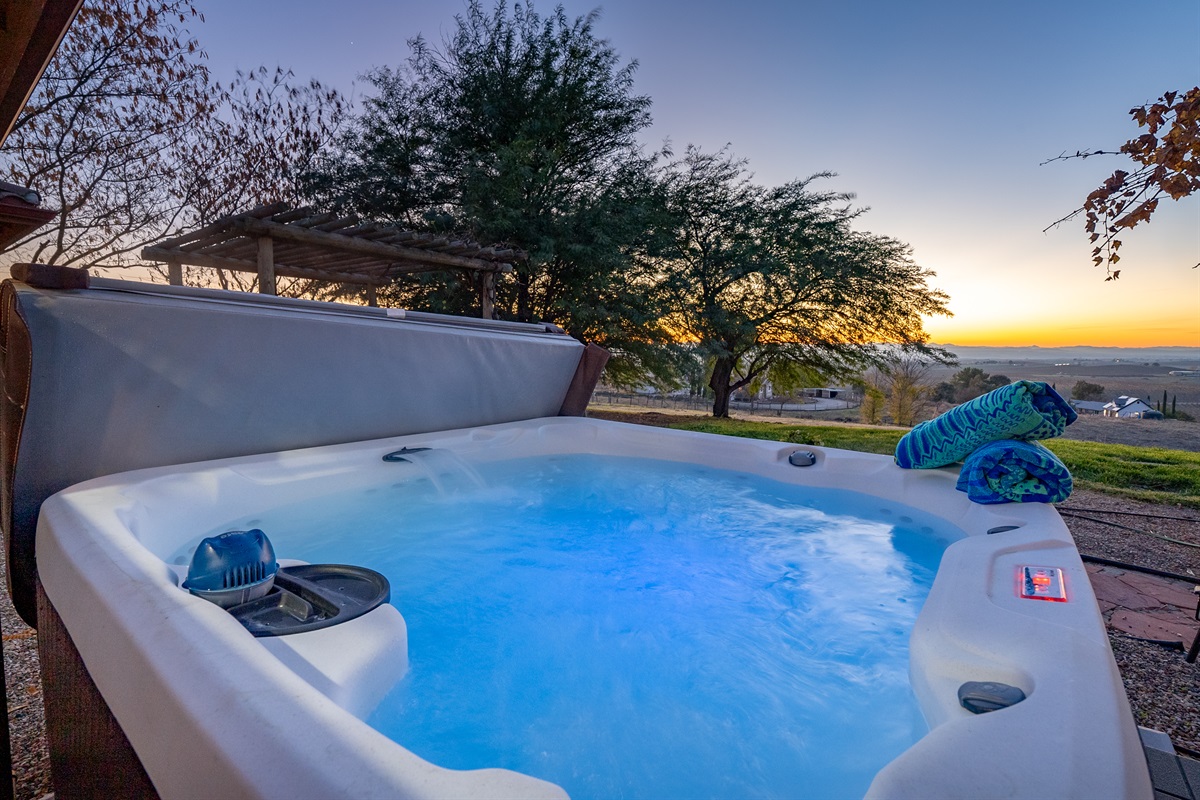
(269, 132)
(521, 130)
(756, 276)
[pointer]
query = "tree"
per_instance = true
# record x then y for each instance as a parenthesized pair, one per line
(897, 390)
(758, 276)
(519, 130)
(1082, 390)
(101, 134)
(266, 136)
(130, 139)
(786, 377)
(970, 382)
(1167, 163)
(874, 400)
(944, 392)
(908, 390)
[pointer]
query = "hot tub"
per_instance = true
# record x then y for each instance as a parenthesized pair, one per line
(212, 711)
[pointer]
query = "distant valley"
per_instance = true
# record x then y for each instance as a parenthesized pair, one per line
(1137, 371)
(1175, 357)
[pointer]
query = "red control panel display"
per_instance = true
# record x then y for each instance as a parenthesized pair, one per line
(1041, 583)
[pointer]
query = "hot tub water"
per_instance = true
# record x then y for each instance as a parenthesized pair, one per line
(625, 627)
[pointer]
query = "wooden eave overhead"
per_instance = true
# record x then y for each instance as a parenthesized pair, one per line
(20, 213)
(301, 243)
(30, 31)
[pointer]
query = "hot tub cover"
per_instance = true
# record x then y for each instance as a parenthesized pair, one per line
(122, 375)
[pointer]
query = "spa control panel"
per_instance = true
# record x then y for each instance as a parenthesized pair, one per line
(1041, 583)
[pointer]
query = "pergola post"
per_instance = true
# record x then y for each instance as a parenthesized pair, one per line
(175, 272)
(487, 295)
(266, 265)
(372, 299)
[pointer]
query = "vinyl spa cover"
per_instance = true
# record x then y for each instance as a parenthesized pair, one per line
(119, 376)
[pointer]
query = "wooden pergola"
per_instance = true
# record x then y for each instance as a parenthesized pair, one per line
(278, 240)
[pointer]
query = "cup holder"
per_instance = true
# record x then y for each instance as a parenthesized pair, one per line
(313, 596)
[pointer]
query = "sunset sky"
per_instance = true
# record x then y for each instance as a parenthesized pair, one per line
(936, 114)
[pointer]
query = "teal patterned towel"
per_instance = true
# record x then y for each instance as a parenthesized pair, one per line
(1009, 471)
(1021, 410)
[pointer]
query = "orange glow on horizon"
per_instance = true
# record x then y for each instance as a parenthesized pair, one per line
(1045, 297)
(1161, 334)
(1150, 314)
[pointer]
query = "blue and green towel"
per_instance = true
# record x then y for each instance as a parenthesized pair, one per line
(1012, 471)
(1022, 410)
(993, 434)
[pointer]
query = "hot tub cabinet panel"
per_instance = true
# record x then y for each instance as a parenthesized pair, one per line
(211, 711)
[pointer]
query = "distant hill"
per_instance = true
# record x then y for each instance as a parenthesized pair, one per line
(1180, 357)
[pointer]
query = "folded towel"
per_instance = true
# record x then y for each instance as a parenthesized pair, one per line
(1021, 410)
(1011, 471)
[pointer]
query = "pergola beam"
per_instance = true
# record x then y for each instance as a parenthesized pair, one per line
(337, 224)
(285, 270)
(281, 270)
(275, 241)
(276, 230)
(291, 215)
(307, 258)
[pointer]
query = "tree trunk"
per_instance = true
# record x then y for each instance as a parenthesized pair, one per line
(720, 384)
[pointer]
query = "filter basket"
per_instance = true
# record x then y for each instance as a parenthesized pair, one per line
(232, 568)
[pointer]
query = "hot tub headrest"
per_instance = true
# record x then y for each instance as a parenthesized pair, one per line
(122, 376)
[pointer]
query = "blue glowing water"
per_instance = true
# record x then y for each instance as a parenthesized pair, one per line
(634, 628)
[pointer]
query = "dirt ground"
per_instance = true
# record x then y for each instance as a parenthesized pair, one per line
(1163, 689)
(1172, 434)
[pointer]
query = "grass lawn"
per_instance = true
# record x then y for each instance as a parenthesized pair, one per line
(1149, 474)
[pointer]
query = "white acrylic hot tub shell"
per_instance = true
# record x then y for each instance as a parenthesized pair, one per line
(213, 712)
